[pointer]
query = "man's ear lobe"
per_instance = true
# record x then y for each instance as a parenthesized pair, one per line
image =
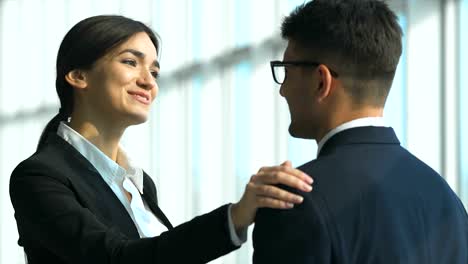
(77, 79)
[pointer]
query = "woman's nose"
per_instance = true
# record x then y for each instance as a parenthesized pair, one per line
(147, 80)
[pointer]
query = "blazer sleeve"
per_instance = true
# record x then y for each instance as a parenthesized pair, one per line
(48, 213)
(294, 236)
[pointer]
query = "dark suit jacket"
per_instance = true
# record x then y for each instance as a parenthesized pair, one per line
(373, 202)
(66, 213)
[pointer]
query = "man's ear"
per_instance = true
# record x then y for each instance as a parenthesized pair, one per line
(325, 79)
(77, 79)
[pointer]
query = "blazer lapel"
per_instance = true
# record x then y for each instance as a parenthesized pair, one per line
(149, 195)
(92, 190)
(99, 196)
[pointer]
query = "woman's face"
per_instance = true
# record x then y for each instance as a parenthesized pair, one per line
(122, 85)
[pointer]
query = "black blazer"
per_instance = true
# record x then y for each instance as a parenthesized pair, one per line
(66, 213)
(373, 202)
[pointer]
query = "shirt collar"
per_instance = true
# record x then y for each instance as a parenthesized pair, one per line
(360, 122)
(134, 173)
(110, 170)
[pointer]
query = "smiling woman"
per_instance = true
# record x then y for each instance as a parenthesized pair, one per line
(117, 91)
(80, 199)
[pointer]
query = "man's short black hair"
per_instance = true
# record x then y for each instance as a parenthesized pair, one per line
(361, 37)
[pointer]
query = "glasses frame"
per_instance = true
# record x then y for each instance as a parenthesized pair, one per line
(277, 63)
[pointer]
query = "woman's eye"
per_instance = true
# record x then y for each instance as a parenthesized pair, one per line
(130, 62)
(155, 75)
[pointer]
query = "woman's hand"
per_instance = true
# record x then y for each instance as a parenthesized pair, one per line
(261, 192)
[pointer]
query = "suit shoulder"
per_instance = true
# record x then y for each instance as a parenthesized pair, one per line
(41, 163)
(302, 232)
(312, 209)
(36, 161)
(308, 165)
(320, 169)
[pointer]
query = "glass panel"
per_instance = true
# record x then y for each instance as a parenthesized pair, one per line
(295, 3)
(197, 188)
(242, 135)
(463, 101)
(242, 30)
(171, 153)
(10, 38)
(395, 107)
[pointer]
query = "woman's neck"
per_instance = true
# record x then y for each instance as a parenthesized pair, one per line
(106, 138)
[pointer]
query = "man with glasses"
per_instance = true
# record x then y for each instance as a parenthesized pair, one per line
(373, 201)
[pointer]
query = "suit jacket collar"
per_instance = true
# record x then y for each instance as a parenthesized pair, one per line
(359, 122)
(111, 170)
(152, 200)
(360, 135)
(77, 162)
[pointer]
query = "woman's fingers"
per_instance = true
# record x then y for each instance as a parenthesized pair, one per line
(287, 169)
(262, 192)
(273, 203)
(272, 196)
(287, 163)
(265, 192)
(284, 176)
(270, 191)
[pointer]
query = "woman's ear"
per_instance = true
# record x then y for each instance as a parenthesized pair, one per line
(77, 79)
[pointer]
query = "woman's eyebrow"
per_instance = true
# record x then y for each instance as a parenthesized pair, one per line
(138, 54)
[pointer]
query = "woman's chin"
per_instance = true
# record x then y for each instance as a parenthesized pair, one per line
(138, 118)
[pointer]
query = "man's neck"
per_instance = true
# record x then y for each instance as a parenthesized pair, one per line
(375, 121)
(343, 116)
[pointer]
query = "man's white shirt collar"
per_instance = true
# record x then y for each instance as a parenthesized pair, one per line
(360, 122)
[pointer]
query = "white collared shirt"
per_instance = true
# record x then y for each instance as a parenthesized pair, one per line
(130, 180)
(360, 122)
(119, 180)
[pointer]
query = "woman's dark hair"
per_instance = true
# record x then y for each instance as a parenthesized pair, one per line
(82, 46)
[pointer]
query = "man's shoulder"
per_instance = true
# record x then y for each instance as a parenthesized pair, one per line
(352, 171)
(345, 160)
(373, 171)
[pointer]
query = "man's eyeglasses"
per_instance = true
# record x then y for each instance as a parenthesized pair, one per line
(278, 68)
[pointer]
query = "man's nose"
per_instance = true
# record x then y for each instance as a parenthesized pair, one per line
(281, 90)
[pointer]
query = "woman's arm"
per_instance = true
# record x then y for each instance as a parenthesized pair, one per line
(49, 216)
(262, 191)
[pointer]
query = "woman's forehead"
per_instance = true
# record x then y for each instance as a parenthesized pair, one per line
(139, 45)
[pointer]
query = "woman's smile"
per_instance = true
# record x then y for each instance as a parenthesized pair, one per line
(141, 96)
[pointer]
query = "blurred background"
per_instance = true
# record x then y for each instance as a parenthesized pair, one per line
(218, 117)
